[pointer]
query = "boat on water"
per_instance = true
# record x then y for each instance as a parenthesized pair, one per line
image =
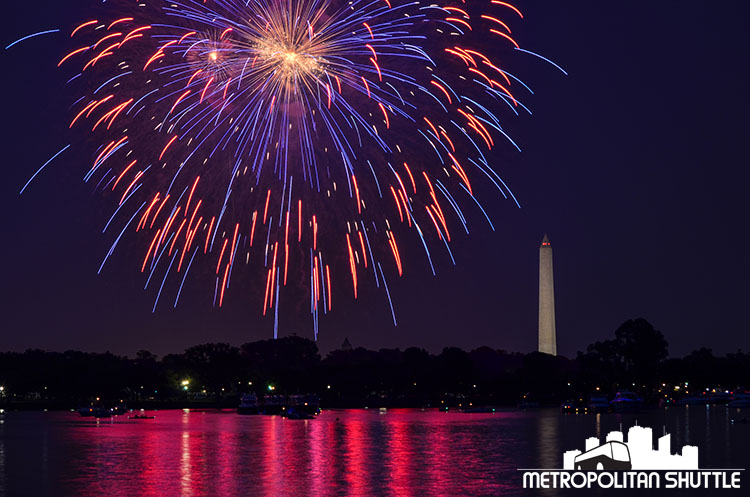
(248, 404)
(307, 403)
(119, 409)
(299, 404)
(272, 404)
(626, 401)
(739, 400)
(575, 406)
(529, 401)
(598, 403)
(98, 410)
(478, 410)
(95, 412)
(697, 400)
(721, 398)
(141, 416)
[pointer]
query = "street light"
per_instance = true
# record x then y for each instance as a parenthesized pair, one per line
(185, 384)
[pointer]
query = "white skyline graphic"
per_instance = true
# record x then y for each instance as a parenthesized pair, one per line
(637, 453)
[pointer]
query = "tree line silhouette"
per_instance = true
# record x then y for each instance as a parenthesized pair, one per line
(216, 374)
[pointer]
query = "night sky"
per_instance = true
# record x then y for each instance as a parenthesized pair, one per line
(636, 165)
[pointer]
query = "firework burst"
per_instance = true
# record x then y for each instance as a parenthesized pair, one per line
(314, 136)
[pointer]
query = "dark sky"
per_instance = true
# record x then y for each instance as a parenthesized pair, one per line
(636, 165)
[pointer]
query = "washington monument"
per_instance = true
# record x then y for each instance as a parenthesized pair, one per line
(547, 334)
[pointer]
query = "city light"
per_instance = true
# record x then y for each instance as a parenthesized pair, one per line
(185, 384)
(271, 387)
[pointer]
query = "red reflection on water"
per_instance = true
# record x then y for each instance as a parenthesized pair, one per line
(271, 478)
(185, 469)
(402, 458)
(220, 453)
(316, 445)
(355, 459)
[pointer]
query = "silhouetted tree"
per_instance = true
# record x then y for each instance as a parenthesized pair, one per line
(289, 362)
(216, 365)
(361, 377)
(642, 349)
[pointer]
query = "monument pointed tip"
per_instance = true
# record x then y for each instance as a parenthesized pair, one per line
(545, 241)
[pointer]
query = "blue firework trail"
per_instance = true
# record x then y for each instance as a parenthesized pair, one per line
(302, 138)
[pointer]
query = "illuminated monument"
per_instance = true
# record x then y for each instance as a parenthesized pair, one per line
(547, 334)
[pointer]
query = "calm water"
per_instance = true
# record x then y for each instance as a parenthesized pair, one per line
(348, 452)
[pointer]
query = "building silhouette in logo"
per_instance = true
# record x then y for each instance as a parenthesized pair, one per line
(637, 453)
(547, 333)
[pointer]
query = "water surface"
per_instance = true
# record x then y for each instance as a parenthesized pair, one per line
(344, 452)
